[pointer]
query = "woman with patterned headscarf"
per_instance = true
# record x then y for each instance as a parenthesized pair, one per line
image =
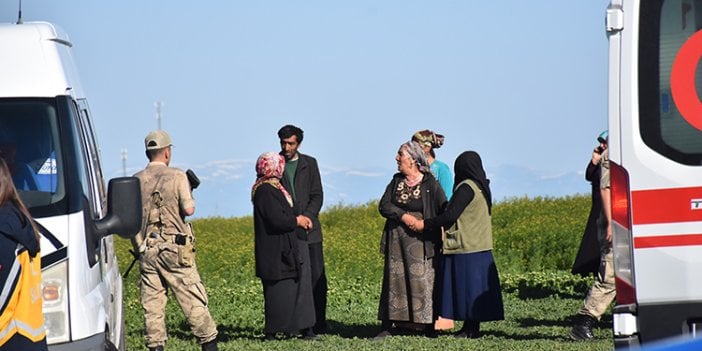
(430, 141)
(282, 260)
(411, 258)
(470, 288)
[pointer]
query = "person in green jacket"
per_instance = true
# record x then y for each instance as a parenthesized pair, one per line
(470, 287)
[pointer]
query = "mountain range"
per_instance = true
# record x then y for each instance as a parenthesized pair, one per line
(225, 189)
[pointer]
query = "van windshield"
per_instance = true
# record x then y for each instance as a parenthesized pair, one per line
(668, 124)
(29, 144)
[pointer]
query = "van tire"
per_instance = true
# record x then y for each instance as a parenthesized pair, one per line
(107, 344)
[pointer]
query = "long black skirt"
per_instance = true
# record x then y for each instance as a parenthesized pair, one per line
(471, 288)
(288, 303)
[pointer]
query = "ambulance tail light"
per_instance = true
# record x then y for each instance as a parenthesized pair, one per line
(621, 235)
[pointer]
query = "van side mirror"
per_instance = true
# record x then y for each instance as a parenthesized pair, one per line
(123, 208)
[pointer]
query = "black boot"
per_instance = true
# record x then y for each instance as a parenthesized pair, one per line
(470, 330)
(430, 332)
(385, 327)
(582, 329)
(210, 346)
(308, 334)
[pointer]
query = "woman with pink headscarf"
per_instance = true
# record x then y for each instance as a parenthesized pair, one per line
(282, 260)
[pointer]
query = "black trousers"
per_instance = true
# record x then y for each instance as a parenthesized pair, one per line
(319, 286)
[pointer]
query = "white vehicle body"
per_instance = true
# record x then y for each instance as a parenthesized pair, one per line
(46, 132)
(655, 147)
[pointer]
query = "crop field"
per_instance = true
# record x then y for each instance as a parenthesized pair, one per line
(535, 243)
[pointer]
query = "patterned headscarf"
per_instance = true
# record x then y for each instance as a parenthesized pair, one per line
(415, 152)
(269, 169)
(429, 138)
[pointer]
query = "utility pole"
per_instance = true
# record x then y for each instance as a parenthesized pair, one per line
(158, 105)
(124, 162)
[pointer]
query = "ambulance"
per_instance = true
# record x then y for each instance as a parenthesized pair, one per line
(48, 141)
(655, 146)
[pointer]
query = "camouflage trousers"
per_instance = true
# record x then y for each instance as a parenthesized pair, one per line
(160, 271)
(603, 291)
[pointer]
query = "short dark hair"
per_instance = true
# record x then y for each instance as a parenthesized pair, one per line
(151, 154)
(289, 130)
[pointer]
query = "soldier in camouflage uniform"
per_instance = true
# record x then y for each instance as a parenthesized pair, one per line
(603, 290)
(166, 248)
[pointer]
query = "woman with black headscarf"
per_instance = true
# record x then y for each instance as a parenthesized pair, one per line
(470, 284)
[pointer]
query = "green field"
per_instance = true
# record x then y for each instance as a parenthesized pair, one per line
(535, 243)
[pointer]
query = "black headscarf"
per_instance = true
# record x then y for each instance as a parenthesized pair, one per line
(469, 166)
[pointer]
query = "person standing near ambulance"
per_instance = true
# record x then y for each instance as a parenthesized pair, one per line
(166, 248)
(588, 258)
(603, 290)
(21, 317)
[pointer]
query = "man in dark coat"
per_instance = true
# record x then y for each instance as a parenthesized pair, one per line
(588, 258)
(301, 178)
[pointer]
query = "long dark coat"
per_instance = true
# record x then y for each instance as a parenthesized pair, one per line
(275, 240)
(588, 258)
(308, 194)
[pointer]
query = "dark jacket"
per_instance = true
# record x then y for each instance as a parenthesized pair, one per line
(275, 242)
(433, 201)
(588, 258)
(14, 232)
(308, 194)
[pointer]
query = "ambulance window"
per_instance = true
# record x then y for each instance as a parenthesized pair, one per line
(664, 125)
(29, 144)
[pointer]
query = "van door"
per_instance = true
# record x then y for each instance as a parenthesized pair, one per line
(656, 169)
(109, 269)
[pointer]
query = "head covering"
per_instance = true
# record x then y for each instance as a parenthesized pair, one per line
(468, 165)
(415, 152)
(157, 139)
(429, 138)
(603, 137)
(269, 169)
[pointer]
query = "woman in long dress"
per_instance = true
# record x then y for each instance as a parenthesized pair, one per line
(411, 258)
(470, 283)
(282, 260)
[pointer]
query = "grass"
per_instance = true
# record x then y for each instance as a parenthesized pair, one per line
(539, 304)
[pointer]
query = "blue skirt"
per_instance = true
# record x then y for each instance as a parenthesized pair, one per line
(471, 288)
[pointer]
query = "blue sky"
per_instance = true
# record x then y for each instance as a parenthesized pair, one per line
(521, 82)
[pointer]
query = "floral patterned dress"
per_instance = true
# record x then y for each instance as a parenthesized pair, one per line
(408, 279)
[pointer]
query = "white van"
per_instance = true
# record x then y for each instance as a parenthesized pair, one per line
(655, 131)
(46, 135)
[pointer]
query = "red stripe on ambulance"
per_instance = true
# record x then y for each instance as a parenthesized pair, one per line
(666, 205)
(647, 242)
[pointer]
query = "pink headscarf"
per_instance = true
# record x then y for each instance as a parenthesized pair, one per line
(269, 169)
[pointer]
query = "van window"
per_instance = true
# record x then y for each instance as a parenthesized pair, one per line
(663, 124)
(97, 191)
(29, 143)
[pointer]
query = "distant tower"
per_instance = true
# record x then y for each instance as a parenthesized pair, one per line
(124, 162)
(158, 105)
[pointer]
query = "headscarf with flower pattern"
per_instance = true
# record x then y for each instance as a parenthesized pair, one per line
(269, 169)
(427, 137)
(415, 152)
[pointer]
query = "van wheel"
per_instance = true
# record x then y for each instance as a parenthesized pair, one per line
(108, 345)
